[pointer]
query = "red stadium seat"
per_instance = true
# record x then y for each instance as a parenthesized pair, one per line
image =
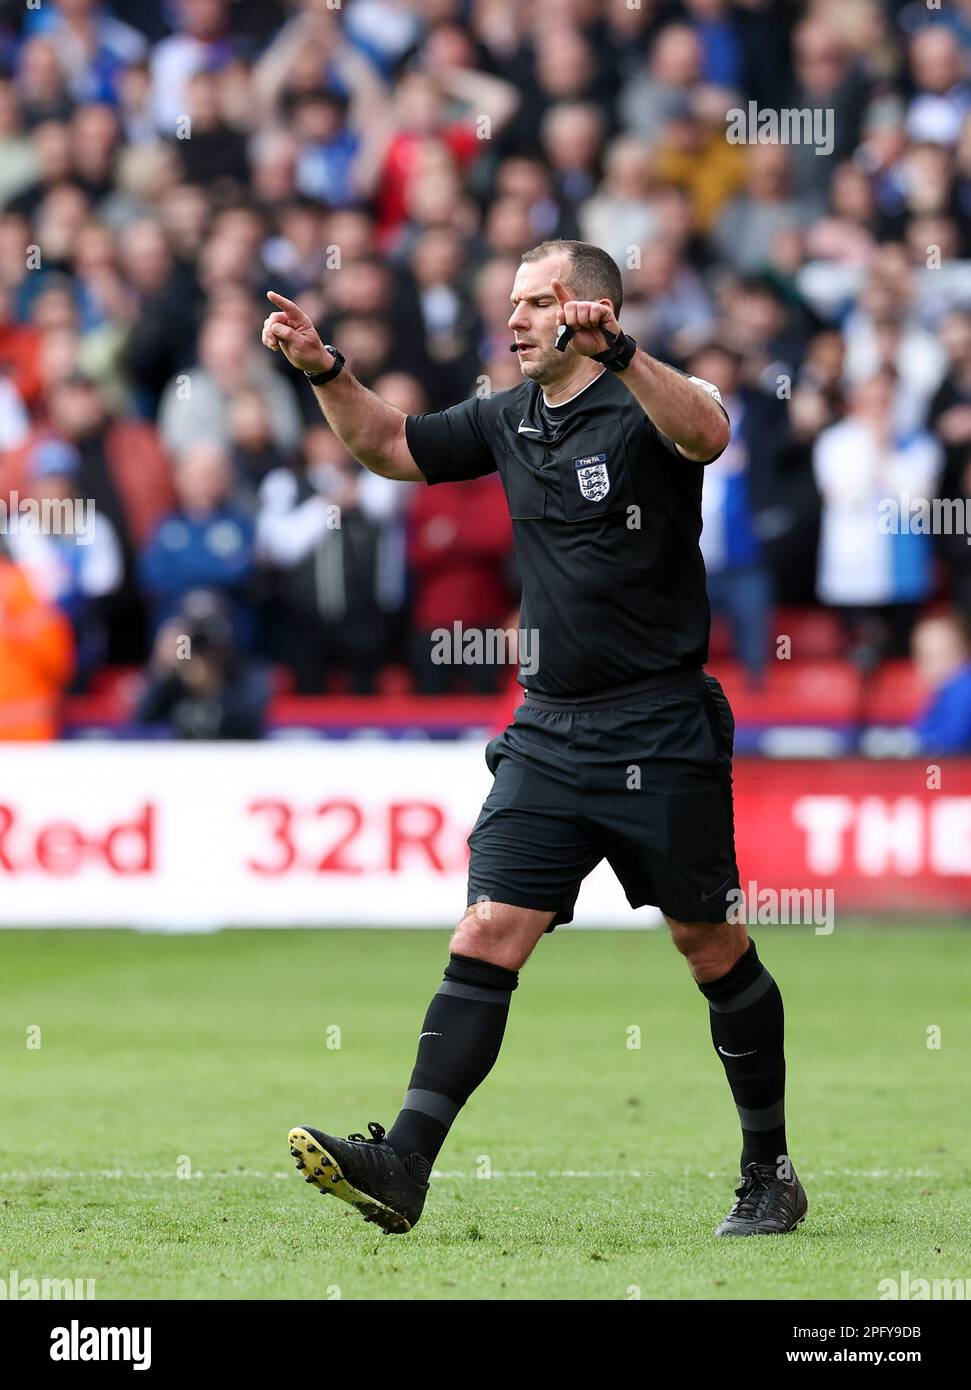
(816, 634)
(803, 692)
(895, 694)
(720, 642)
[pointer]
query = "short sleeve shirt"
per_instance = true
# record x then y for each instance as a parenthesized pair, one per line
(606, 523)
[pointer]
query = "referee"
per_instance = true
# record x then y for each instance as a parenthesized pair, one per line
(622, 749)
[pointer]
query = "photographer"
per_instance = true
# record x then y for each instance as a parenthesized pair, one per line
(199, 686)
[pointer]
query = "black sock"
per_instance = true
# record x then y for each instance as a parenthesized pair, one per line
(747, 1030)
(459, 1042)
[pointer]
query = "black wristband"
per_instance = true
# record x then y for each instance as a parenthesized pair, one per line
(618, 352)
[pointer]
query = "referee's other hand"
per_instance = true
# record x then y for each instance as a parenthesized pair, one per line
(290, 331)
(586, 318)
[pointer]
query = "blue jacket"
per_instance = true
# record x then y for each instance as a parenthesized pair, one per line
(944, 726)
(215, 553)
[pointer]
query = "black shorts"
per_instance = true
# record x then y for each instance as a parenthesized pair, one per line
(645, 783)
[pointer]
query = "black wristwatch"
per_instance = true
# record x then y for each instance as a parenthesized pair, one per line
(322, 378)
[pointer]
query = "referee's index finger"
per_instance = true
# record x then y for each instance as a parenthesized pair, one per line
(559, 291)
(284, 303)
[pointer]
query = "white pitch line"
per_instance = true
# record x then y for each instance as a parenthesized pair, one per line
(533, 1174)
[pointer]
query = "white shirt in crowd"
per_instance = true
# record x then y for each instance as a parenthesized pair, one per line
(854, 475)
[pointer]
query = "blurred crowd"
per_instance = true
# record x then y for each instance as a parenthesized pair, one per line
(165, 162)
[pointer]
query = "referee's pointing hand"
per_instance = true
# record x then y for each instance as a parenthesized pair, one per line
(291, 332)
(586, 318)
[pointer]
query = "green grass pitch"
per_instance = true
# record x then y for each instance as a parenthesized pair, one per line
(610, 1164)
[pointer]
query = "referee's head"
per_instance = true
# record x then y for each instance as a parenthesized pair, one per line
(586, 271)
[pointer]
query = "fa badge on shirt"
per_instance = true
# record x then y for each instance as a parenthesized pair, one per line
(593, 480)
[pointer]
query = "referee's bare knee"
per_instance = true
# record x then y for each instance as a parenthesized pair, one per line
(500, 933)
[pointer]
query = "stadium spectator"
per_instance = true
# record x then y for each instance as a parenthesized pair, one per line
(572, 136)
(790, 528)
(95, 137)
(327, 531)
(70, 551)
(447, 319)
(825, 78)
(17, 160)
(296, 253)
(125, 474)
(942, 655)
(419, 116)
(123, 467)
(205, 543)
(736, 485)
(846, 238)
(914, 16)
(492, 305)
(942, 91)
(628, 30)
(692, 153)
(673, 70)
(161, 320)
(199, 685)
(872, 565)
(666, 304)
(361, 294)
(135, 104)
(52, 162)
(883, 329)
(122, 472)
(529, 180)
(253, 450)
(20, 346)
(36, 655)
(93, 47)
(210, 150)
(950, 419)
(950, 410)
(195, 404)
(619, 215)
(42, 83)
(559, 66)
(458, 549)
(308, 54)
(203, 41)
(766, 326)
(744, 233)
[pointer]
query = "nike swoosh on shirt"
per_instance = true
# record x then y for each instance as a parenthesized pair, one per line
(527, 429)
(738, 1054)
(428, 1035)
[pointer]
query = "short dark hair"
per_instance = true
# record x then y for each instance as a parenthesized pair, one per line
(593, 274)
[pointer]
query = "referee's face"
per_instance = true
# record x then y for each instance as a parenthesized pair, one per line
(533, 319)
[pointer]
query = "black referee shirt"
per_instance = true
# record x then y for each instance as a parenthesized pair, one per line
(606, 518)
